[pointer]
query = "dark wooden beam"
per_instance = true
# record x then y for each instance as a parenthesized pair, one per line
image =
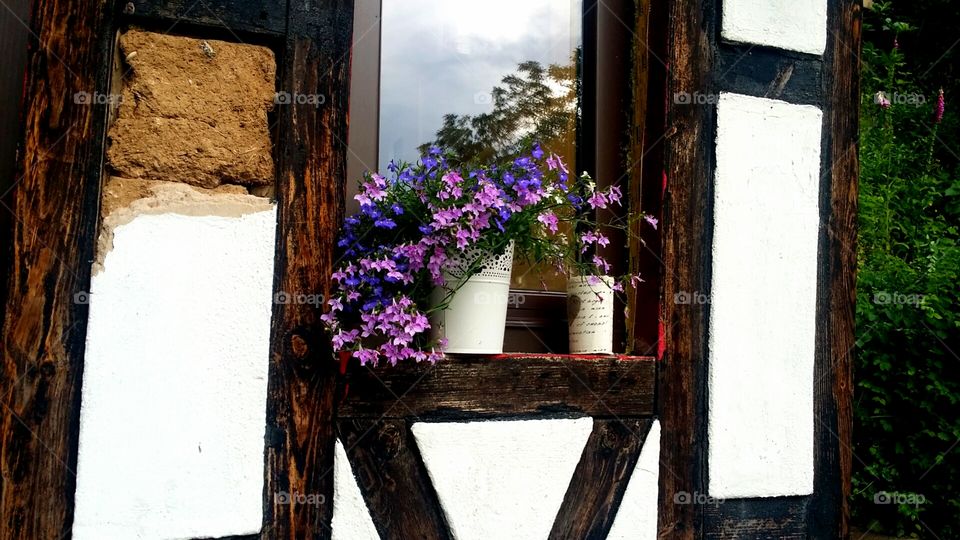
(476, 388)
(254, 16)
(600, 479)
(776, 517)
(764, 72)
(53, 211)
(686, 230)
(393, 480)
(310, 187)
(836, 289)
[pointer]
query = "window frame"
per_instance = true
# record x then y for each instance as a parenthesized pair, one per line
(610, 87)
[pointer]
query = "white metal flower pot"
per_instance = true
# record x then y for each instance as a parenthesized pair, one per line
(473, 320)
(590, 315)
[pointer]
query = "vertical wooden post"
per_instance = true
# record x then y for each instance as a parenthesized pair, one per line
(688, 164)
(53, 211)
(836, 296)
(310, 187)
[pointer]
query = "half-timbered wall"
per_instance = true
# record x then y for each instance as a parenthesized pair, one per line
(168, 376)
(761, 189)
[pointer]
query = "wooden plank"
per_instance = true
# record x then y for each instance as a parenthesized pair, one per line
(54, 213)
(774, 518)
(686, 230)
(476, 388)
(393, 479)
(302, 374)
(255, 16)
(600, 479)
(765, 72)
(836, 294)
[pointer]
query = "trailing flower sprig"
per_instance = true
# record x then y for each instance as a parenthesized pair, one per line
(415, 222)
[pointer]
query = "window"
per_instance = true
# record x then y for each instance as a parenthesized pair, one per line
(477, 77)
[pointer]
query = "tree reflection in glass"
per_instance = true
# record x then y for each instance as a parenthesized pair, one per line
(480, 77)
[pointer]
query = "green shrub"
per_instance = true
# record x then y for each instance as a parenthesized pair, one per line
(907, 372)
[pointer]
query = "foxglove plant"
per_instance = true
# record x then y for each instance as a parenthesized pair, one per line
(415, 222)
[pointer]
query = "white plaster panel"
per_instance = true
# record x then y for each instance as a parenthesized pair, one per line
(175, 378)
(351, 517)
(637, 517)
(763, 302)
(502, 479)
(796, 25)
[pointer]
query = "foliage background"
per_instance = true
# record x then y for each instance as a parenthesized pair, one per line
(907, 371)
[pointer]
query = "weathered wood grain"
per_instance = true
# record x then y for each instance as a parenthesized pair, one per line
(780, 518)
(836, 293)
(54, 216)
(771, 73)
(600, 479)
(310, 187)
(686, 230)
(393, 479)
(257, 16)
(479, 387)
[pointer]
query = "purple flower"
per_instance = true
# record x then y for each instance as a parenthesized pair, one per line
(385, 223)
(549, 219)
(342, 339)
(651, 220)
(586, 239)
(555, 162)
(601, 263)
(366, 356)
(597, 200)
(446, 218)
(614, 194)
(463, 238)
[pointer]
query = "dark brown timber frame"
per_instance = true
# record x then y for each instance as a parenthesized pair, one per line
(701, 62)
(310, 190)
(55, 212)
(55, 208)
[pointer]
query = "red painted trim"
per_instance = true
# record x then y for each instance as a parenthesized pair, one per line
(625, 357)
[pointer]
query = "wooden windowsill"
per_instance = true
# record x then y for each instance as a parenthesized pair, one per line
(560, 356)
(521, 384)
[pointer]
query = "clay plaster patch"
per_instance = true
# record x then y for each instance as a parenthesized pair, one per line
(124, 199)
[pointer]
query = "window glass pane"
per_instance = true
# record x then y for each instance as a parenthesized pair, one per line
(478, 77)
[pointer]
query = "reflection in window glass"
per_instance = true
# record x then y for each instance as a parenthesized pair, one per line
(479, 77)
